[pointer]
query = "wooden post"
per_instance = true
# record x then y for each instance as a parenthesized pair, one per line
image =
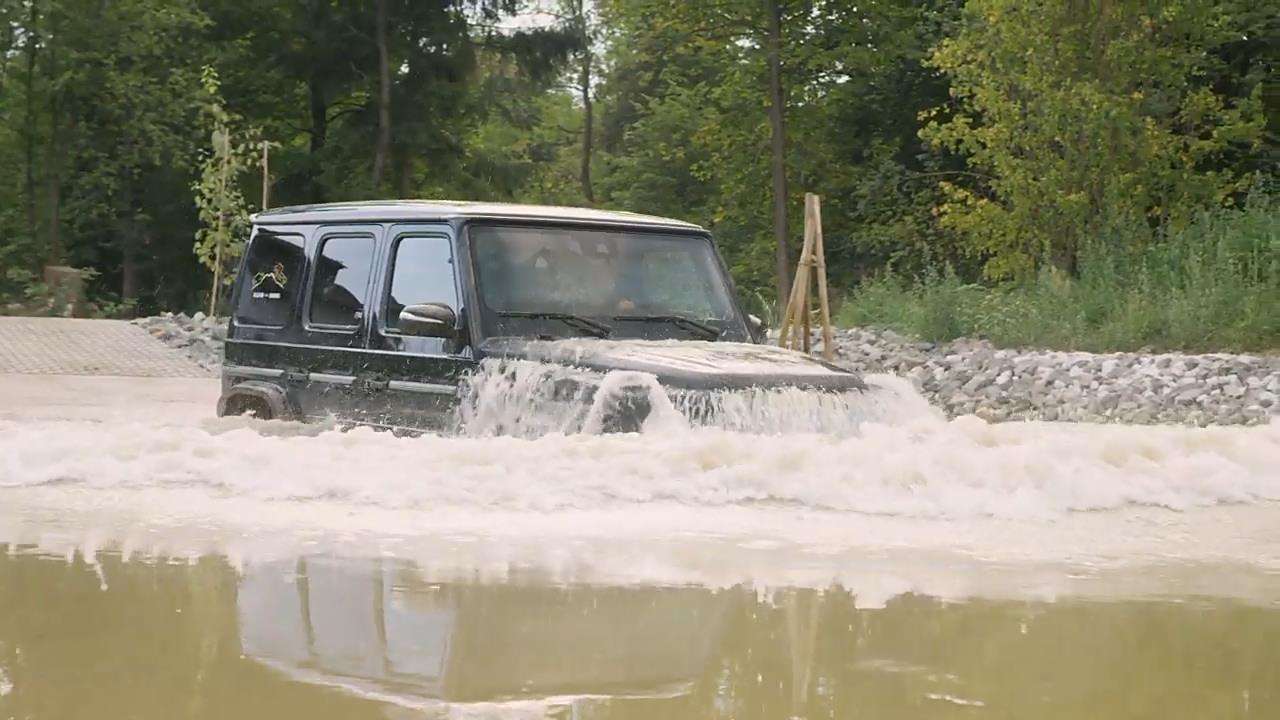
(808, 317)
(790, 315)
(217, 248)
(813, 207)
(266, 177)
(798, 315)
(802, 611)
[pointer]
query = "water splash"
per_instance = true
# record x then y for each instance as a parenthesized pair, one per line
(525, 399)
(634, 389)
(776, 411)
(532, 399)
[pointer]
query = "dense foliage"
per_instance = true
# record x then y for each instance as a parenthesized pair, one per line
(1121, 111)
(1210, 285)
(994, 142)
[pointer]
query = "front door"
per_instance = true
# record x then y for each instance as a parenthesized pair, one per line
(421, 374)
(334, 323)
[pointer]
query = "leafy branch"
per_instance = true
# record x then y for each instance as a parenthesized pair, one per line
(222, 208)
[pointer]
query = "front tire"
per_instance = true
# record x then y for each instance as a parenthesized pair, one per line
(253, 407)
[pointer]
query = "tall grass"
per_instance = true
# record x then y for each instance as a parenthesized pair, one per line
(1212, 285)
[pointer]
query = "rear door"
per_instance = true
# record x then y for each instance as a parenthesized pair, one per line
(422, 374)
(264, 324)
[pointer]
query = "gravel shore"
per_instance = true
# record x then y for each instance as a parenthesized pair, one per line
(973, 377)
(198, 336)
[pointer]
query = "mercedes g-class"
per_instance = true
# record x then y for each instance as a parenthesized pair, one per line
(379, 312)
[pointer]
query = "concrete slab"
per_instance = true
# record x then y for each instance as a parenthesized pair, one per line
(67, 346)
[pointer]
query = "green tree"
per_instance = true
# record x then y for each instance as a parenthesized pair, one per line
(123, 97)
(223, 211)
(685, 131)
(1080, 117)
(747, 40)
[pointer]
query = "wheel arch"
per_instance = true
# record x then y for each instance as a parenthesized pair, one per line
(272, 396)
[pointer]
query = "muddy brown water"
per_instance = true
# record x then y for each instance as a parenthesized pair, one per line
(322, 638)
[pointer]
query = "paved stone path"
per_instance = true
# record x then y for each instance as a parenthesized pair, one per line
(64, 346)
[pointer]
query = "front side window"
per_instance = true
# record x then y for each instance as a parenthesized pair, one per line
(342, 277)
(634, 282)
(421, 272)
(271, 277)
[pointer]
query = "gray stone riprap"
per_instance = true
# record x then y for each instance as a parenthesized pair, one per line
(973, 377)
(198, 336)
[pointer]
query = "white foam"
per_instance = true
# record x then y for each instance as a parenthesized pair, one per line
(908, 502)
(954, 700)
(917, 485)
(958, 469)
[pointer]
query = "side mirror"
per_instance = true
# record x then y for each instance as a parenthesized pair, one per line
(757, 327)
(428, 320)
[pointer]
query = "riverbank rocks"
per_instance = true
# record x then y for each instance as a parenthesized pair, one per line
(973, 377)
(200, 337)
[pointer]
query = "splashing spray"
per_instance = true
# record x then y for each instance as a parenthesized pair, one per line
(532, 399)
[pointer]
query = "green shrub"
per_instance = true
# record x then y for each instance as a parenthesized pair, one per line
(1211, 285)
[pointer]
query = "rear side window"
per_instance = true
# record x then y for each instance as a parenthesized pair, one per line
(272, 274)
(421, 272)
(342, 277)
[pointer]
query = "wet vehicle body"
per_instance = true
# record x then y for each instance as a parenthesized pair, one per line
(378, 313)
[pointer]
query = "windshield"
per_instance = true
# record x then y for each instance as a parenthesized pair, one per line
(543, 281)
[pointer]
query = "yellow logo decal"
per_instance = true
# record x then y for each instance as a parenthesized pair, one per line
(277, 276)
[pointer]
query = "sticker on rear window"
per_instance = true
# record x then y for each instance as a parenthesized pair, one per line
(277, 277)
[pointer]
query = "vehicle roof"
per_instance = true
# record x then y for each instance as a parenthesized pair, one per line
(408, 210)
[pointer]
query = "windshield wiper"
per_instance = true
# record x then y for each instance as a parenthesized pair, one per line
(594, 328)
(710, 332)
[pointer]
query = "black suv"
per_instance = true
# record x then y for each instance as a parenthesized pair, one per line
(379, 313)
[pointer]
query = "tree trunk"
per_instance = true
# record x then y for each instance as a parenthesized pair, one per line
(778, 160)
(319, 131)
(383, 147)
(129, 269)
(32, 41)
(55, 213)
(128, 231)
(53, 175)
(588, 125)
(54, 180)
(9, 31)
(404, 176)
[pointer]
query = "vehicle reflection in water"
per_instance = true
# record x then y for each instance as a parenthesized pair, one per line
(376, 628)
(323, 639)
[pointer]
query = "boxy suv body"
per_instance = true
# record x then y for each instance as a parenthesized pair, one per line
(378, 312)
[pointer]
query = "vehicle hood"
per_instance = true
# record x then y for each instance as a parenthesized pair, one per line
(685, 364)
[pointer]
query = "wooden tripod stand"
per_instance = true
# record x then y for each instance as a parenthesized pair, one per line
(796, 319)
